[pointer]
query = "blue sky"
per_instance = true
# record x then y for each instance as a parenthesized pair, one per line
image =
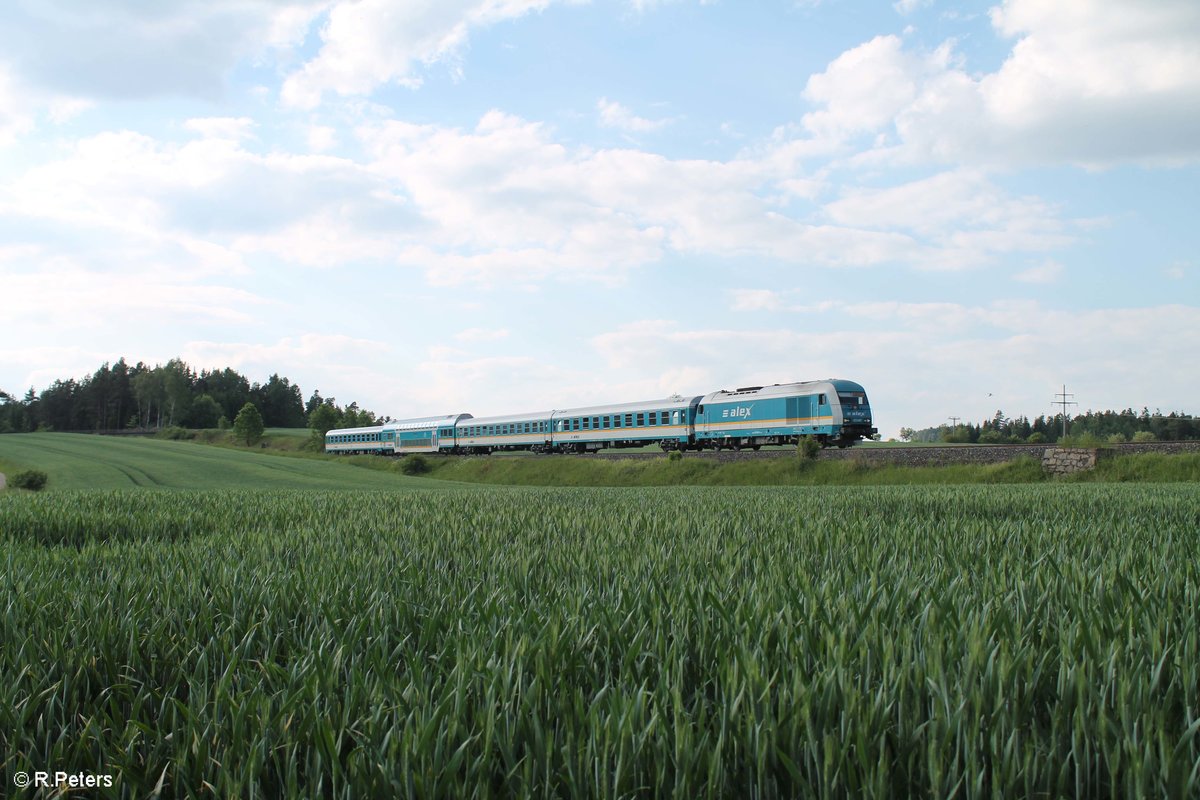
(504, 205)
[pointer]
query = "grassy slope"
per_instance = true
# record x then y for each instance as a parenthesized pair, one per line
(785, 471)
(76, 461)
(79, 461)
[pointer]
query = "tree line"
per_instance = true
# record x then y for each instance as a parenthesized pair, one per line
(1112, 426)
(118, 397)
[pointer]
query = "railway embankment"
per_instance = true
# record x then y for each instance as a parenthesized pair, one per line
(926, 456)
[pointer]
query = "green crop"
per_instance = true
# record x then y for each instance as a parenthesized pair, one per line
(992, 641)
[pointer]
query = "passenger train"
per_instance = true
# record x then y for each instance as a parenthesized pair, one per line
(834, 411)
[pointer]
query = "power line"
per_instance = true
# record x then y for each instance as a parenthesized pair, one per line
(1064, 402)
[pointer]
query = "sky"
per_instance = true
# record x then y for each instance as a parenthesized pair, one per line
(495, 206)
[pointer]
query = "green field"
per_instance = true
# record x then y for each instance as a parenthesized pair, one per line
(328, 633)
(965, 641)
(80, 461)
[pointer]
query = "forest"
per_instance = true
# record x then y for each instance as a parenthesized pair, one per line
(118, 397)
(1110, 426)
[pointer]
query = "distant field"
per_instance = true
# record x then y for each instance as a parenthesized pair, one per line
(81, 461)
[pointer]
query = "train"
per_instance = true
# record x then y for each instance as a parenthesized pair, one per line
(835, 412)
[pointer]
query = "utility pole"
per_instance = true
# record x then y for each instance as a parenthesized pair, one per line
(1064, 402)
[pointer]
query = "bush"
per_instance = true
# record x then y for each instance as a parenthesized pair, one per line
(1037, 437)
(807, 448)
(32, 479)
(414, 465)
(1144, 437)
(1082, 440)
(176, 433)
(1117, 438)
(674, 455)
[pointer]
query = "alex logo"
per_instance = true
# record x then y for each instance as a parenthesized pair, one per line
(737, 412)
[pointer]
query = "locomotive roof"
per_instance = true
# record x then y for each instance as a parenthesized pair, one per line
(774, 390)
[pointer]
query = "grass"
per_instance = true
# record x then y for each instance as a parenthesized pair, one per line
(784, 471)
(1145, 468)
(81, 461)
(941, 641)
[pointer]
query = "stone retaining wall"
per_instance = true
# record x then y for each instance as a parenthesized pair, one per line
(1067, 460)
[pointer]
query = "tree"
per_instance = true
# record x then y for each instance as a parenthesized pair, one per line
(205, 413)
(248, 427)
(323, 419)
(149, 392)
(281, 402)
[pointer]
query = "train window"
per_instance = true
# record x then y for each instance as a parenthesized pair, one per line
(587, 423)
(652, 418)
(629, 420)
(821, 400)
(617, 421)
(595, 423)
(641, 420)
(675, 418)
(699, 409)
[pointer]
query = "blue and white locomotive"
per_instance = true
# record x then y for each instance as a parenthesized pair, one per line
(835, 412)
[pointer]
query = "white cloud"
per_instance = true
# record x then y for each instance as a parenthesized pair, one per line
(71, 297)
(16, 118)
(757, 300)
(615, 115)
(234, 128)
(322, 138)
(906, 7)
(210, 197)
(368, 43)
(866, 87)
(962, 216)
(1045, 273)
(481, 334)
(133, 49)
(507, 194)
(1086, 83)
